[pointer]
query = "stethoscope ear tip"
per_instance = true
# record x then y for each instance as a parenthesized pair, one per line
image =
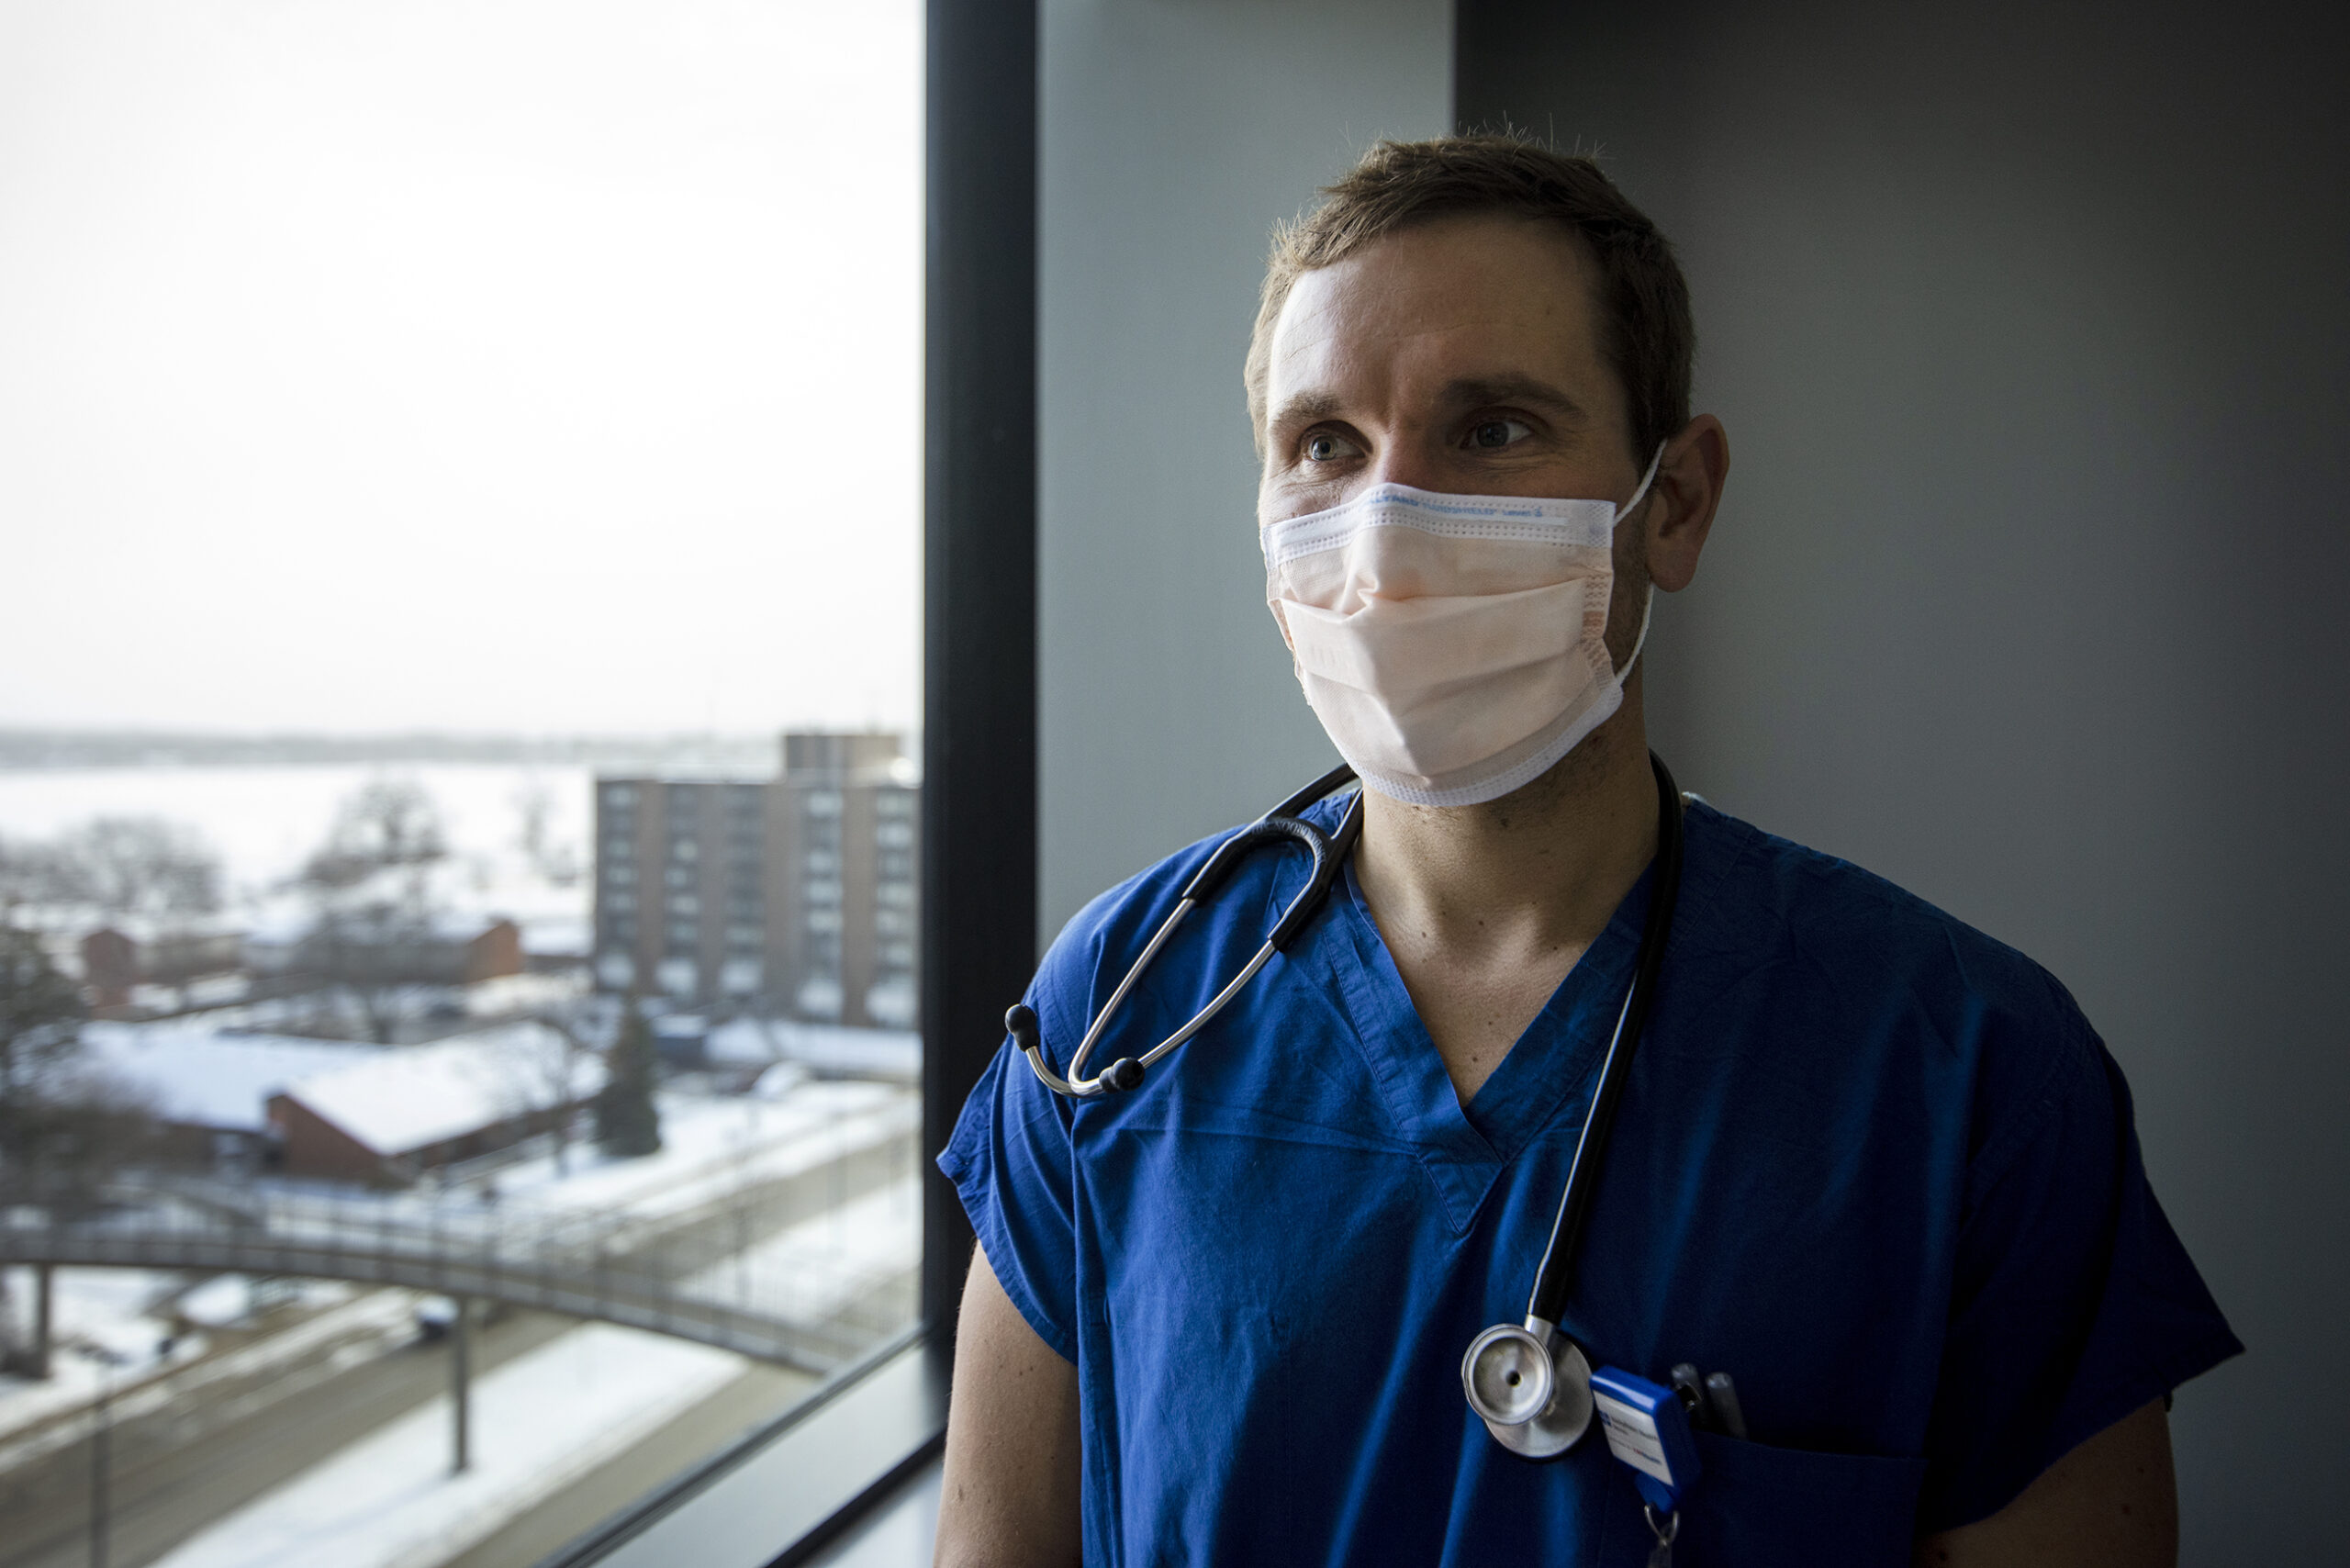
(1124, 1075)
(1019, 1022)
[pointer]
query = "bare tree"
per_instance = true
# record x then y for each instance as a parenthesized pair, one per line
(40, 1016)
(38, 886)
(557, 1059)
(145, 869)
(387, 828)
(552, 859)
(371, 885)
(64, 1126)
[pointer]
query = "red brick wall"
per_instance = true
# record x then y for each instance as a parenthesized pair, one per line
(316, 1147)
(109, 966)
(494, 953)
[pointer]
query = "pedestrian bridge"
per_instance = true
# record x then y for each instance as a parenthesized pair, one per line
(732, 1268)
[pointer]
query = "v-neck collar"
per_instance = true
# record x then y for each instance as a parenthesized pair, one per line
(1552, 1065)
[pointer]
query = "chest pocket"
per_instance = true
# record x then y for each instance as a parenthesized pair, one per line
(1759, 1507)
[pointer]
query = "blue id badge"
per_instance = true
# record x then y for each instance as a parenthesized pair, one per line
(1648, 1430)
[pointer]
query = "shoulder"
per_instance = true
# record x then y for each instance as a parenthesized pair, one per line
(1899, 972)
(1792, 904)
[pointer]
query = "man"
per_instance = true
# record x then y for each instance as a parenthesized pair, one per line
(1868, 1161)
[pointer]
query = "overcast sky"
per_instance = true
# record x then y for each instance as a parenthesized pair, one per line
(540, 365)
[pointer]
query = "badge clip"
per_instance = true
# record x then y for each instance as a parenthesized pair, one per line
(1648, 1430)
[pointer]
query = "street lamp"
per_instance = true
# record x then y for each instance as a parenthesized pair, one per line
(101, 1438)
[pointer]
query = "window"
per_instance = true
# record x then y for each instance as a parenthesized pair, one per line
(446, 393)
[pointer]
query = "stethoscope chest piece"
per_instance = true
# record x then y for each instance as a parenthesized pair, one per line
(1535, 1397)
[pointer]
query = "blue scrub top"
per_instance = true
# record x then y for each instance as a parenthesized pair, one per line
(1871, 1163)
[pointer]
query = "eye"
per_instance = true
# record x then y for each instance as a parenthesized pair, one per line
(1328, 446)
(1492, 435)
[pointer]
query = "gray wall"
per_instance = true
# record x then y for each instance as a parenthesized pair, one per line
(2031, 589)
(1175, 132)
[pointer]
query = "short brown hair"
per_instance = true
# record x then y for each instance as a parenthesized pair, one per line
(1648, 335)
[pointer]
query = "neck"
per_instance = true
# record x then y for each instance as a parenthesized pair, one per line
(1538, 871)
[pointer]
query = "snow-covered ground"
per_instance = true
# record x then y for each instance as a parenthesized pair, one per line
(540, 1421)
(711, 1147)
(378, 1319)
(264, 822)
(825, 1048)
(823, 1266)
(116, 1311)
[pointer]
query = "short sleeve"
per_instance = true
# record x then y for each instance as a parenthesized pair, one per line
(2072, 1301)
(1010, 1163)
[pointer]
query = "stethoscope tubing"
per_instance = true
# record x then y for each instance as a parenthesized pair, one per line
(1328, 852)
(1554, 1280)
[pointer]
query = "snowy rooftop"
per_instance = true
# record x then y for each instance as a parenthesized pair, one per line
(558, 936)
(209, 1079)
(407, 1098)
(140, 928)
(826, 1047)
(288, 921)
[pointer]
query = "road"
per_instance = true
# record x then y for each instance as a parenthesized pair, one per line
(176, 1471)
(198, 1459)
(759, 1396)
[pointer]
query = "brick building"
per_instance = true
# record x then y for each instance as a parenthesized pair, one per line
(115, 960)
(460, 951)
(210, 1091)
(389, 1116)
(793, 895)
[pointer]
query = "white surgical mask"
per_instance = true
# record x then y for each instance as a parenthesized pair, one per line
(1453, 647)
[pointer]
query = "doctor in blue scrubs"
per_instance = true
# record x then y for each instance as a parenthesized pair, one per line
(1870, 1162)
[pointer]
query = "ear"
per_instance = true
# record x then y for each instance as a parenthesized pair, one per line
(1688, 489)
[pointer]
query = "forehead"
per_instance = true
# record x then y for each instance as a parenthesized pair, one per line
(1474, 299)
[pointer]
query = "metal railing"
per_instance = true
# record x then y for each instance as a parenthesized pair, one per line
(708, 1270)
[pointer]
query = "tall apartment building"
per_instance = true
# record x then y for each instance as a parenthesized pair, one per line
(790, 897)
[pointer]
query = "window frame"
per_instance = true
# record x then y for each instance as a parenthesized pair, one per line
(882, 1419)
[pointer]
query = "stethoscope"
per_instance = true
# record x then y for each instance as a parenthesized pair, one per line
(1528, 1381)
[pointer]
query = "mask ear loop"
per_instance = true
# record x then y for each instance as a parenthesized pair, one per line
(1648, 604)
(1648, 608)
(1646, 480)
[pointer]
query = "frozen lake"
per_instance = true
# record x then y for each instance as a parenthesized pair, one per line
(263, 822)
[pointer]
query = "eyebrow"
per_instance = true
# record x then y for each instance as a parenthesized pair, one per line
(1473, 391)
(1305, 408)
(1464, 392)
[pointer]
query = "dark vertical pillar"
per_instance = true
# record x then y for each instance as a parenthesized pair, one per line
(979, 829)
(44, 1316)
(101, 1465)
(461, 1393)
(1488, 36)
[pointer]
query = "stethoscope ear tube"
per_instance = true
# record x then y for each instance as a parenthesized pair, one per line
(1328, 851)
(1555, 1280)
(1328, 784)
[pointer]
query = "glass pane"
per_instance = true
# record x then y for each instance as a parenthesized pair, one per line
(459, 826)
